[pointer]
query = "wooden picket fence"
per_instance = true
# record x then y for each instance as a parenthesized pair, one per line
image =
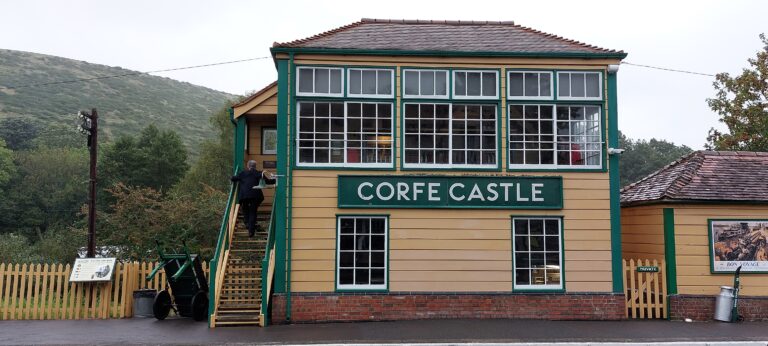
(43, 292)
(646, 290)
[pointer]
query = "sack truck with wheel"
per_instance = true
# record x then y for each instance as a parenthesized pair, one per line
(186, 288)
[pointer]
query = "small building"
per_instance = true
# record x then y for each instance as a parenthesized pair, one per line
(704, 215)
(438, 169)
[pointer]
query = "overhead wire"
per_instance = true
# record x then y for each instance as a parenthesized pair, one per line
(135, 73)
(667, 69)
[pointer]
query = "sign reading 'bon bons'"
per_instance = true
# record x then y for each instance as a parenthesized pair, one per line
(356, 191)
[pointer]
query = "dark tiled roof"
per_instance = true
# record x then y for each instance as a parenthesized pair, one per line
(704, 176)
(450, 36)
(255, 95)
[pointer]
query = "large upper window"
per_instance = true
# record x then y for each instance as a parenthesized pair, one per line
(529, 85)
(475, 84)
(550, 136)
(450, 135)
(376, 83)
(361, 257)
(345, 134)
(425, 84)
(537, 254)
(319, 81)
(579, 86)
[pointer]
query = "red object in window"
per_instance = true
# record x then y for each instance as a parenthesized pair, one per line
(576, 157)
(353, 155)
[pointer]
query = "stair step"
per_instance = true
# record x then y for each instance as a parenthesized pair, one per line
(236, 323)
(237, 317)
(239, 306)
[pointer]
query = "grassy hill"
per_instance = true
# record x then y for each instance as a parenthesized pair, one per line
(125, 104)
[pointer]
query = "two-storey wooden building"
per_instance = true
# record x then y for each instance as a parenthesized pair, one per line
(440, 169)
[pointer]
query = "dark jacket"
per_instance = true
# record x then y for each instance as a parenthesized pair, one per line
(248, 179)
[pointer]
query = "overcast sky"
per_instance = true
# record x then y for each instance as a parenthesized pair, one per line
(701, 36)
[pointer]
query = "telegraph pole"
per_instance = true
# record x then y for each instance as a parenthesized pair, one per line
(89, 126)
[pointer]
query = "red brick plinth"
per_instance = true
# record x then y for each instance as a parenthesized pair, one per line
(702, 308)
(348, 307)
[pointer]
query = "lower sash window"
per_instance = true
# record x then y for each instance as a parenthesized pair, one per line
(537, 253)
(361, 258)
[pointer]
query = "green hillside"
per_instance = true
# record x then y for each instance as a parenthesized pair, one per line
(125, 104)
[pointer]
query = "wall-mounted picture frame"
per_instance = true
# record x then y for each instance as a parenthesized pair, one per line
(735, 242)
(268, 141)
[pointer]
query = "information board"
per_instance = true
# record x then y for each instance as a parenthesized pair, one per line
(93, 270)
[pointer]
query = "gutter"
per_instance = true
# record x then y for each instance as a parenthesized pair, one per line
(379, 52)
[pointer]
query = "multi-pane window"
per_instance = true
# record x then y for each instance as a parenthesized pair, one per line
(425, 83)
(449, 135)
(361, 252)
(579, 85)
(529, 85)
(370, 83)
(552, 136)
(319, 81)
(537, 254)
(475, 84)
(339, 133)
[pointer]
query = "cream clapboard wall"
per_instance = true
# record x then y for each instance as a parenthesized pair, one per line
(449, 250)
(642, 232)
(692, 249)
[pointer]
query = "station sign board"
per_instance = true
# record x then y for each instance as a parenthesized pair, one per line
(93, 270)
(476, 192)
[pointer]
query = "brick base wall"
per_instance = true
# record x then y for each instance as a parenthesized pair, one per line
(702, 308)
(342, 307)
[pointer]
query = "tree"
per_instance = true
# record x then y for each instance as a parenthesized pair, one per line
(18, 133)
(645, 157)
(214, 167)
(7, 167)
(742, 103)
(156, 159)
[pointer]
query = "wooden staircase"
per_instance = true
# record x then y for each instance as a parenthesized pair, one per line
(240, 300)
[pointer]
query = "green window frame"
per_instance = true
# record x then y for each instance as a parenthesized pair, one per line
(537, 253)
(362, 252)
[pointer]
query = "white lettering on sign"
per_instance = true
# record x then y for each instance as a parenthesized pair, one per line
(432, 191)
(506, 187)
(402, 191)
(475, 194)
(536, 192)
(492, 190)
(391, 191)
(519, 198)
(360, 191)
(454, 197)
(417, 189)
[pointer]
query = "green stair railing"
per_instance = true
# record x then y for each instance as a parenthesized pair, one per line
(222, 246)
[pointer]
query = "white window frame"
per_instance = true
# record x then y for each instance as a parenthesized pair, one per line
(345, 164)
(373, 96)
(551, 85)
(353, 286)
(419, 71)
(313, 68)
(264, 131)
(585, 98)
(555, 165)
(533, 287)
(465, 97)
(450, 138)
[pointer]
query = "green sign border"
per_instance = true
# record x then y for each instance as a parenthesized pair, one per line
(558, 206)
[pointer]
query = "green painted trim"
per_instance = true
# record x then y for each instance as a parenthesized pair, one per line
(336, 256)
(692, 202)
(617, 267)
(282, 137)
(562, 253)
(711, 245)
(289, 229)
(669, 250)
(337, 51)
(240, 134)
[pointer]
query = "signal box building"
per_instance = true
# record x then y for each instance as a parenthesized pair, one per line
(704, 215)
(439, 169)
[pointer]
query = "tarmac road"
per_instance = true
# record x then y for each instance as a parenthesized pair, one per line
(148, 331)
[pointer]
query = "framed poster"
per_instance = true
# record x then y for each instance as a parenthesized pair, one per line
(734, 243)
(93, 270)
(268, 141)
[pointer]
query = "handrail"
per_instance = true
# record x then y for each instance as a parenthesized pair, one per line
(222, 245)
(269, 263)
